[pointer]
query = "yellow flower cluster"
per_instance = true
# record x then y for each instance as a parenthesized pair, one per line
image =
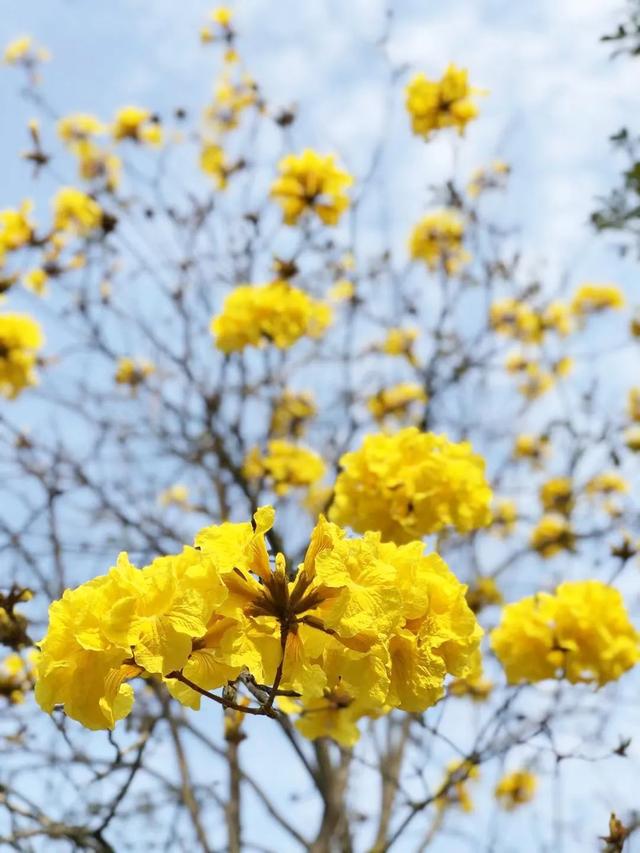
(581, 633)
(556, 495)
(552, 534)
(176, 495)
(213, 162)
(454, 791)
(493, 178)
(438, 241)
(505, 516)
(592, 298)
(534, 380)
(20, 340)
(76, 212)
(400, 342)
(16, 229)
(515, 789)
(291, 412)
(436, 104)
(233, 94)
(95, 162)
(311, 183)
(16, 676)
(410, 484)
(516, 319)
(396, 401)
(23, 50)
(361, 628)
(276, 313)
(137, 124)
(133, 372)
(531, 447)
(284, 465)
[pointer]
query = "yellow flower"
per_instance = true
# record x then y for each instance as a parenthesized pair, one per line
(78, 127)
(311, 183)
(342, 290)
(607, 483)
(410, 484)
(361, 627)
(36, 280)
(483, 593)
(438, 241)
(535, 381)
(23, 49)
(436, 104)
(396, 401)
(133, 372)
(96, 163)
(277, 313)
(581, 633)
(213, 162)
(20, 339)
(517, 320)
(493, 178)
(632, 438)
(552, 534)
(558, 318)
(16, 677)
(515, 789)
(556, 495)
(592, 298)
(231, 98)
(222, 16)
(177, 495)
(478, 689)
(76, 211)
(400, 342)
(291, 412)
(633, 404)
(454, 789)
(505, 516)
(16, 228)
(284, 465)
(137, 124)
(532, 447)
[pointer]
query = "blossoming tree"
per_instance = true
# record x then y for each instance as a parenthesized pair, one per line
(280, 492)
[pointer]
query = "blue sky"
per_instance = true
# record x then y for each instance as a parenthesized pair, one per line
(554, 98)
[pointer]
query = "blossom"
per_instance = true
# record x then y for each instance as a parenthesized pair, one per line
(454, 789)
(311, 183)
(16, 676)
(133, 372)
(16, 228)
(633, 404)
(607, 483)
(556, 495)
(213, 162)
(276, 312)
(24, 50)
(410, 484)
(515, 319)
(400, 342)
(437, 104)
(176, 495)
(581, 633)
(74, 210)
(438, 241)
(79, 127)
(493, 178)
(284, 465)
(552, 534)
(515, 789)
(231, 98)
(504, 517)
(291, 413)
(532, 447)
(137, 124)
(36, 280)
(593, 298)
(396, 401)
(360, 627)
(20, 340)
(483, 593)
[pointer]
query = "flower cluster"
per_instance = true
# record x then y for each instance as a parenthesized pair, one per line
(16, 676)
(291, 413)
(396, 401)
(411, 484)
(284, 466)
(75, 211)
(276, 313)
(592, 298)
(311, 183)
(138, 125)
(95, 162)
(438, 241)
(362, 627)
(20, 340)
(552, 534)
(436, 104)
(133, 372)
(515, 789)
(581, 633)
